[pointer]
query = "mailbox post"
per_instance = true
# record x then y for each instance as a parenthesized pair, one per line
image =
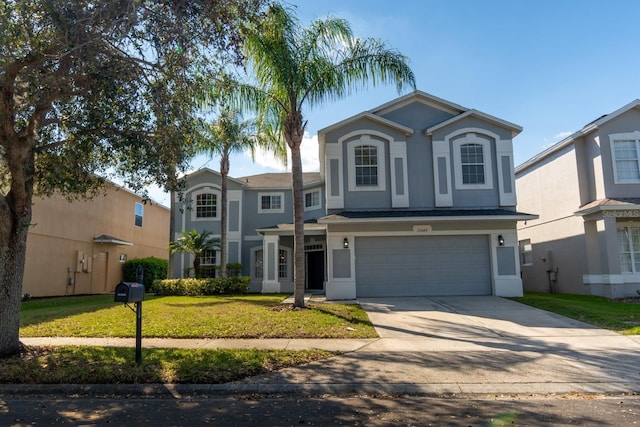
(133, 293)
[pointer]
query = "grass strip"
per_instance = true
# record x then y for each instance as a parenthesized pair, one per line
(114, 365)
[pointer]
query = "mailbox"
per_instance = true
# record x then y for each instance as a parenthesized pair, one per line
(129, 292)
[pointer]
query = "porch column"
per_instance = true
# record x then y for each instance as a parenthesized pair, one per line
(270, 283)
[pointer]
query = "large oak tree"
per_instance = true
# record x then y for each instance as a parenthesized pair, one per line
(97, 88)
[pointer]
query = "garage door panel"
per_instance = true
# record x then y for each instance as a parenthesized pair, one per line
(425, 265)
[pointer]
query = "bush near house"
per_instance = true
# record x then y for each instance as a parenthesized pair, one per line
(154, 269)
(197, 287)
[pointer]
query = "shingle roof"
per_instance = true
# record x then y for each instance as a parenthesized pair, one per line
(276, 180)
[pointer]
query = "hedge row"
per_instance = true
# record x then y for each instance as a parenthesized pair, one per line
(196, 287)
(153, 269)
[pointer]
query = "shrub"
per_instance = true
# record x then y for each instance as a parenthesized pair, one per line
(196, 287)
(154, 269)
(234, 269)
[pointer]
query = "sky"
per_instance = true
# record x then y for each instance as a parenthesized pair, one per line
(549, 66)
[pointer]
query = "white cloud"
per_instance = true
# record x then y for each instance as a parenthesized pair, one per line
(308, 151)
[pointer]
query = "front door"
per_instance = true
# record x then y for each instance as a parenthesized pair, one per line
(315, 270)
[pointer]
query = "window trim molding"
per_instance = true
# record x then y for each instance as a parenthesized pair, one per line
(365, 139)
(312, 207)
(270, 194)
(471, 137)
(628, 225)
(193, 197)
(635, 135)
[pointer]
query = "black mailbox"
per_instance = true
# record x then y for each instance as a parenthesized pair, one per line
(129, 292)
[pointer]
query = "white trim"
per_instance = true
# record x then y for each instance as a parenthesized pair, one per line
(270, 194)
(619, 136)
(471, 137)
(334, 152)
(192, 202)
(398, 150)
(316, 206)
(504, 148)
(365, 139)
(442, 150)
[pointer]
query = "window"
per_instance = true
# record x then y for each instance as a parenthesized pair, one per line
(208, 263)
(282, 264)
(526, 253)
(270, 203)
(139, 214)
(258, 262)
(629, 249)
(366, 157)
(206, 205)
(472, 163)
(312, 200)
(625, 148)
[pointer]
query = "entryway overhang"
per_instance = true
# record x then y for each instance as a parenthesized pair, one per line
(105, 238)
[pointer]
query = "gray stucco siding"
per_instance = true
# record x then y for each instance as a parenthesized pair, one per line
(418, 115)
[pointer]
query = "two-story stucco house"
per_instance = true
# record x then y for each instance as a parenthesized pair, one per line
(586, 190)
(415, 197)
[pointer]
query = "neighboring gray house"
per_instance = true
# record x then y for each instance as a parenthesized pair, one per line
(586, 190)
(415, 197)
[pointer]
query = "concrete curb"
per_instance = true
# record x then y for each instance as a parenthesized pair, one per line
(180, 391)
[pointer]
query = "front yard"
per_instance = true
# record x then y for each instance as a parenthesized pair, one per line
(245, 316)
(619, 316)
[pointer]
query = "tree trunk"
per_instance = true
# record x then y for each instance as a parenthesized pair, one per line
(298, 225)
(224, 171)
(13, 248)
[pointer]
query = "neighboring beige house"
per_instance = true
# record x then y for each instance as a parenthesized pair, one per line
(586, 191)
(79, 247)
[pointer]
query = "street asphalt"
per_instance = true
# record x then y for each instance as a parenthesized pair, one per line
(427, 346)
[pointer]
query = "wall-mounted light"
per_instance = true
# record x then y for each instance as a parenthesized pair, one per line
(500, 240)
(345, 243)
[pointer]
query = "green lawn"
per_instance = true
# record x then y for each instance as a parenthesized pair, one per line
(246, 316)
(109, 365)
(617, 316)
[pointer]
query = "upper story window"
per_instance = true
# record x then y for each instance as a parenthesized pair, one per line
(629, 249)
(625, 150)
(472, 162)
(206, 205)
(366, 164)
(270, 203)
(139, 214)
(312, 200)
(366, 157)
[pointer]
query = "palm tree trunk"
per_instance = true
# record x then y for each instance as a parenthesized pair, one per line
(224, 171)
(298, 221)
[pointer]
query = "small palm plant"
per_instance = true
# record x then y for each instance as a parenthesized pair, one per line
(194, 244)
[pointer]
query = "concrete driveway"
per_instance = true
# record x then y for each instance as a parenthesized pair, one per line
(477, 323)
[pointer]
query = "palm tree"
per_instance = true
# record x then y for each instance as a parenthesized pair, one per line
(195, 244)
(229, 134)
(296, 67)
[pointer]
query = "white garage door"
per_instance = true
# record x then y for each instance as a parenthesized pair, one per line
(412, 266)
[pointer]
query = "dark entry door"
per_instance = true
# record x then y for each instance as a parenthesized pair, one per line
(315, 270)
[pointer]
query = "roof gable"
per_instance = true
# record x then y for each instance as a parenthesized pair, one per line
(515, 129)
